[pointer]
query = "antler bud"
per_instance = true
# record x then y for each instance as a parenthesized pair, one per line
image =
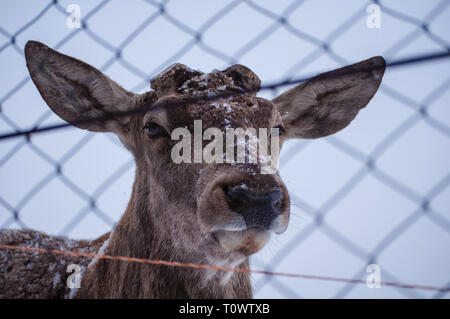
(172, 78)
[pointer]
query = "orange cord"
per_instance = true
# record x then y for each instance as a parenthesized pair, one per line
(219, 268)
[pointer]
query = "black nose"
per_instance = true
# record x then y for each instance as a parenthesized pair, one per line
(258, 210)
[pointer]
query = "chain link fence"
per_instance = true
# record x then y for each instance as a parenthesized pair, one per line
(376, 193)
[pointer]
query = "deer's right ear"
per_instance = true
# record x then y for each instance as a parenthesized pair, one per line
(76, 91)
(330, 101)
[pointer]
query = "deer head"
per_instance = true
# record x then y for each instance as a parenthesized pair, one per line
(207, 212)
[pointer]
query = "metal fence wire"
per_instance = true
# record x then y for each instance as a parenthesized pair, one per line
(34, 167)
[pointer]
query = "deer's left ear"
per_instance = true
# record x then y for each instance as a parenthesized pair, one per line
(330, 101)
(76, 91)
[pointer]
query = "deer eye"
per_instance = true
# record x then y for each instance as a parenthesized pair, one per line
(155, 130)
(281, 130)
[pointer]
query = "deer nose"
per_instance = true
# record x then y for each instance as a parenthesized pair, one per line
(257, 210)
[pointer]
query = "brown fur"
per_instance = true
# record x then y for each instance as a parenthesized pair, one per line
(176, 211)
(36, 275)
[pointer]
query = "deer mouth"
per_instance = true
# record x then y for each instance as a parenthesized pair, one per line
(249, 232)
(239, 214)
(246, 242)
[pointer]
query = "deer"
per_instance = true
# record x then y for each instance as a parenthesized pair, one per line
(203, 213)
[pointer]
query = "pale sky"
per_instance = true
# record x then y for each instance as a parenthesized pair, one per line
(367, 213)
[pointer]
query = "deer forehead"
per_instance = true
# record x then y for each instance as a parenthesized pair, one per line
(179, 83)
(181, 79)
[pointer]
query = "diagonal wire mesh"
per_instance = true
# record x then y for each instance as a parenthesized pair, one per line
(37, 170)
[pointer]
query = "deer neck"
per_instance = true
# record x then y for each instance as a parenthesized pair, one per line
(139, 234)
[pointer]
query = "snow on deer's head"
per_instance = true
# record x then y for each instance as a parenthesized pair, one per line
(223, 210)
